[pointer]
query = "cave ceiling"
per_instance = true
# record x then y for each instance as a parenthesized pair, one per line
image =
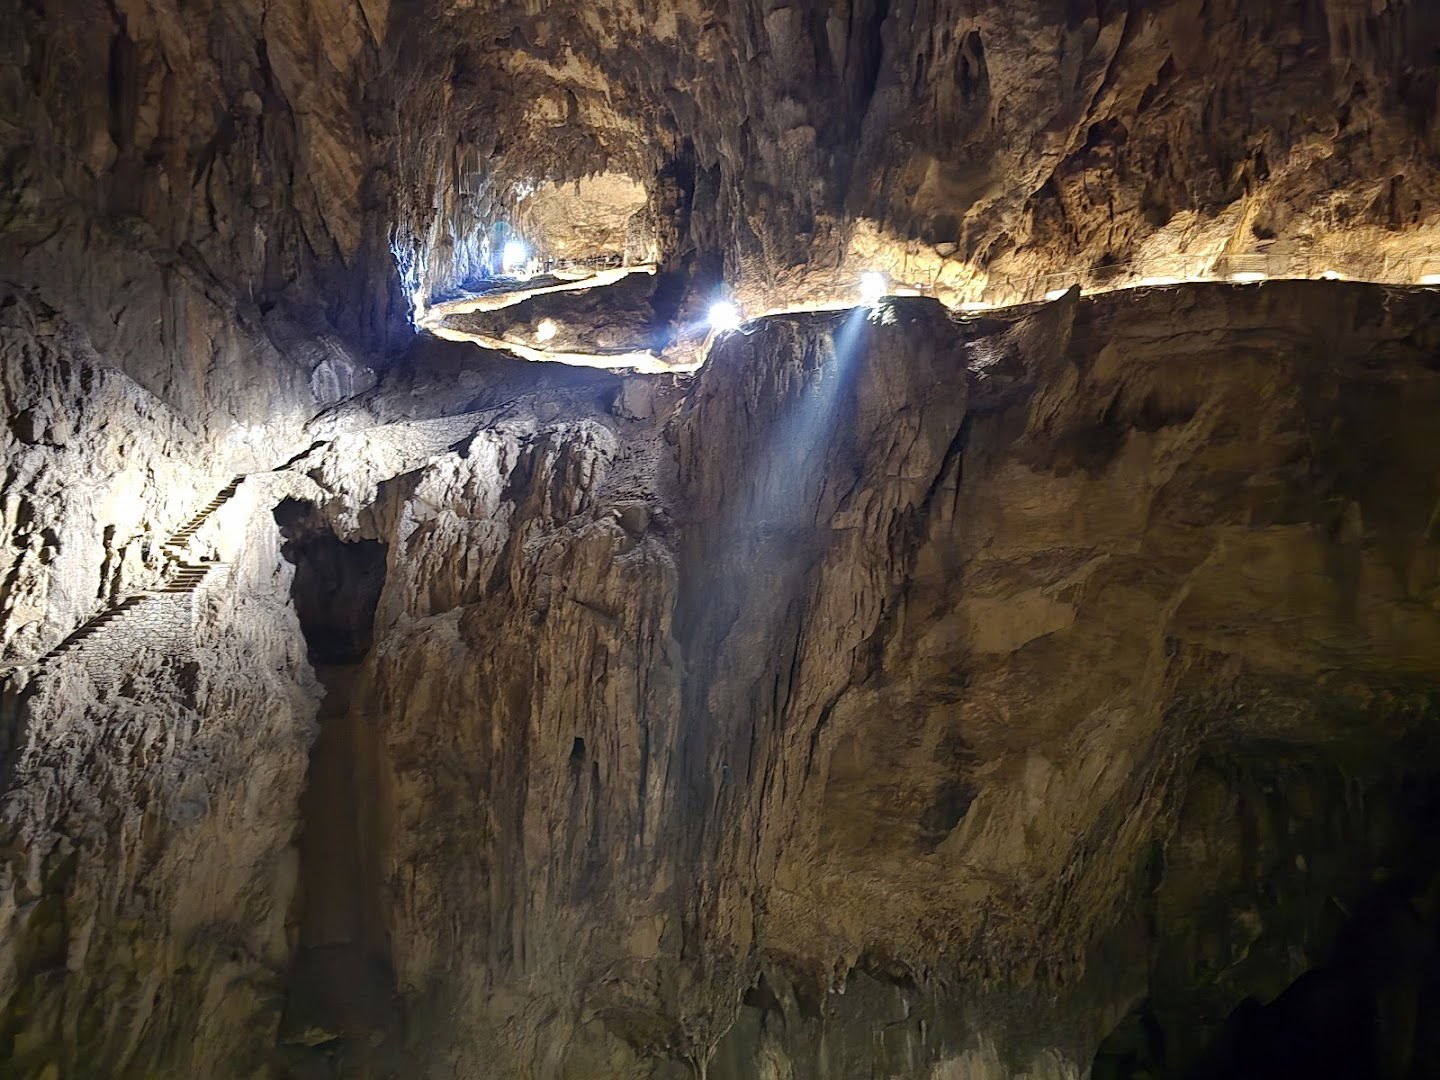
(955, 139)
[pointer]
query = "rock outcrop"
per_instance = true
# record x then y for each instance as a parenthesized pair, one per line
(903, 695)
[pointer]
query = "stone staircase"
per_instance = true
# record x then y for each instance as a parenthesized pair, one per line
(162, 616)
(178, 544)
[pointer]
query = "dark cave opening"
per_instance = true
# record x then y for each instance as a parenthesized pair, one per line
(1370, 1011)
(342, 987)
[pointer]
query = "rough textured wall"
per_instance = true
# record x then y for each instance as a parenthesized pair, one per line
(885, 685)
(249, 159)
(186, 257)
(211, 156)
(149, 819)
(89, 468)
(933, 137)
(899, 698)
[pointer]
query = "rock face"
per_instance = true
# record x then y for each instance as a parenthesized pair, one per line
(919, 689)
(181, 229)
(149, 817)
(899, 696)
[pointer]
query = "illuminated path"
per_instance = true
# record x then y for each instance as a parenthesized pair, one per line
(1001, 295)
(632, 361)
(496, 301)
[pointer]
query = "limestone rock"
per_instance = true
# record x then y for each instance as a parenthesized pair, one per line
(921, 676)
(900, 695)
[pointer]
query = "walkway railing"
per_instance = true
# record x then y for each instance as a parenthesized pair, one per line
(592, 262)
(1007, 291)
(981, 295)
(151, 616)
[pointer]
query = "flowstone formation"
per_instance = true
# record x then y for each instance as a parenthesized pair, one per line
(1048, 692)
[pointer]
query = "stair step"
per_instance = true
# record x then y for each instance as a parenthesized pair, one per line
(185, 579)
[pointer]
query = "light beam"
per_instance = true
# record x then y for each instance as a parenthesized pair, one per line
(724, 316)
(872, 286)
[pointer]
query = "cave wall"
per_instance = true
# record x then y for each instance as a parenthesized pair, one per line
(191, 266)
(171, 170)
(152, 740)
(149, 819)
(855, 705)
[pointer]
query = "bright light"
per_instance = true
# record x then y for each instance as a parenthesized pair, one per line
(1056, 294)
(724, 315)
(1330, 275)
(513, 256)
(546, 330)
(1144, 281)
(872, 286)
(1430, 279)
(976, 305)
(1246, 277)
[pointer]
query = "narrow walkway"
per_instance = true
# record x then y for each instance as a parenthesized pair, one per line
(630, 360)
(162, 616)
(512, 291)
(991, 294)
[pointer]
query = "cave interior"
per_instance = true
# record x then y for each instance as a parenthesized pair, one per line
(720, 539)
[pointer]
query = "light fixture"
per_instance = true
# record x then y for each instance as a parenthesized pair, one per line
(1247, 277)
(546, 330)
(1330, 275)
(1430, 279)
(513, 256)
(724, 315)
(1056, 294)
(976, 305)
(1146, 281)
(872, 286)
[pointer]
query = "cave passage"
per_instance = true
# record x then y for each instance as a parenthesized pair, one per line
(932, 571)
(686, 343)
(1369, 1011)
(342, 991)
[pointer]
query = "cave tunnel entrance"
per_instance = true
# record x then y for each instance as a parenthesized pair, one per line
(1371, 1013)
(341, 1000)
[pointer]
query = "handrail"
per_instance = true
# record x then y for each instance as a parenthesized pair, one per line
(1008, 291)
(996, 292)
